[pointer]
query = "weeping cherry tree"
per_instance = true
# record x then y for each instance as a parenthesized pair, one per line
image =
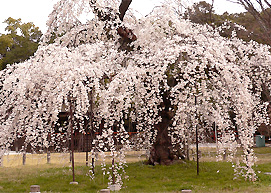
(147, 70)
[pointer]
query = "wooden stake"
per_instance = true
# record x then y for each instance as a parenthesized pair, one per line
(72, 139)
(197, 140)
(24, 157)
(48, 157)
(113, 176)
(86, 157)
(93, 165)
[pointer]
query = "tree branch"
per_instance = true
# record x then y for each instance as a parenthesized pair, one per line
(124, 7)
(125, 33)
(107, 15)
(210, 11)
(267, 3)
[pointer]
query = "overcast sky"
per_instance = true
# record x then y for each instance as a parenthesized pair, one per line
(37, 11)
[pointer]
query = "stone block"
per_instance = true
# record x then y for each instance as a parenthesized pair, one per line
(104, 191)
(35, 189)
(186, 191)
(115, 187)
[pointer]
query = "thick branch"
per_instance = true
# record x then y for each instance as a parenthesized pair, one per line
(124, 7)
(125, 33)
(267, 3)
(106, 15)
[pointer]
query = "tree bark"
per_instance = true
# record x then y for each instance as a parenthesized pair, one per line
(127, 35)
(124, 7)
(162, 150)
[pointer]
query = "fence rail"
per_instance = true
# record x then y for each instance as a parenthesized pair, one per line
(19, 159)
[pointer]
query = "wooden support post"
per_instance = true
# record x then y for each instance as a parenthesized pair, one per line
(1, 160)
(113, 175)
(72, 141)
(72, 147)
(216, 140)
(197, 140)
(86, 147)
(224, 155)
(187, 153)
(24, 157)
(87, 158)
(16, 145)
(187, 150)
(197, 148)
(48, 157)
(93, 165)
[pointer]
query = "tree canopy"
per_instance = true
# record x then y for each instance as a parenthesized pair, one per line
(174, 76)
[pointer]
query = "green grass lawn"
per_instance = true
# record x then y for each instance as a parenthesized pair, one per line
(142, 178)
(214, 177)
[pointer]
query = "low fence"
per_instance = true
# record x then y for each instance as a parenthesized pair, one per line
(19, 159)
(206, 153)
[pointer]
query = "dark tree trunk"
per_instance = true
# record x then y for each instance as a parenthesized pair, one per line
(162, 150)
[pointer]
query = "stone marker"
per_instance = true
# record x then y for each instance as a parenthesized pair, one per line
(186, 191)
(76, 183)
(104, 191)
(35, 189)
(115, 187)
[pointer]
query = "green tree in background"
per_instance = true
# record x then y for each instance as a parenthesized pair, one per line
(203, 13)
(261, 11)
(20, 42)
